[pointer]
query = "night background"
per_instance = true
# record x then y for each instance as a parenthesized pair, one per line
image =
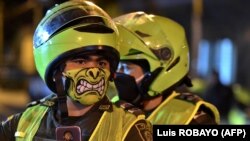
(218, 33)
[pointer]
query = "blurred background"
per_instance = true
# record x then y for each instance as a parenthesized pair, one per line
(218, 33)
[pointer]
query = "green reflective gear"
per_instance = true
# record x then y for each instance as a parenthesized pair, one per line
(179, 111)
(113, 126)
(30, 122)
(174, 110)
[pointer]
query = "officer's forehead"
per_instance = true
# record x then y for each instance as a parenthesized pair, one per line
(90, 56)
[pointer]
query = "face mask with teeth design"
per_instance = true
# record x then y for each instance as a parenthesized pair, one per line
(87, 85)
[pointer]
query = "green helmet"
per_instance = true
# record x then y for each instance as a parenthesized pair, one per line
(158, 40)
(69, 29)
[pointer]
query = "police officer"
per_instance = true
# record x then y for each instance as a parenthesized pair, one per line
(76, 55)
(155, 52)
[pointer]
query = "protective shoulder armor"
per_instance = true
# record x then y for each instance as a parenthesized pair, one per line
(46, 101)
(129, 107)
(189, 97)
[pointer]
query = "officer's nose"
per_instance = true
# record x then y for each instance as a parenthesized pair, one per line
(93, 72)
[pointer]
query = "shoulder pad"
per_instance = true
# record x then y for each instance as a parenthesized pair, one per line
(189, 97)
(129, 107)
(47, 101)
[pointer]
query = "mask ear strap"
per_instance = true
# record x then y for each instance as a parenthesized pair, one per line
(61, 94)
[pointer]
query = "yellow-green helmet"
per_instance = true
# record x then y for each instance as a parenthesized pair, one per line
(72, 28)
(159, 40)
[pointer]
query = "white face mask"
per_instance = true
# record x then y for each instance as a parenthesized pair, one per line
(88, 85)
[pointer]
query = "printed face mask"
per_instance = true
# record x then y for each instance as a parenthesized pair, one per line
(87, 85)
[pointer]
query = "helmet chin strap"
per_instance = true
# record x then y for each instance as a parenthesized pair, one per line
(146, 81)
(62, 111)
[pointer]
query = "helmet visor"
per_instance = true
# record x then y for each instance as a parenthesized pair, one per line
(67, 16)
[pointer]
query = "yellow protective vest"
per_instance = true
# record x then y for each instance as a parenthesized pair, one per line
(178, 111)
(113, 126)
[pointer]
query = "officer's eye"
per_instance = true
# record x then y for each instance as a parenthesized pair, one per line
(126, 69)
(103, 63)
(79, 61)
